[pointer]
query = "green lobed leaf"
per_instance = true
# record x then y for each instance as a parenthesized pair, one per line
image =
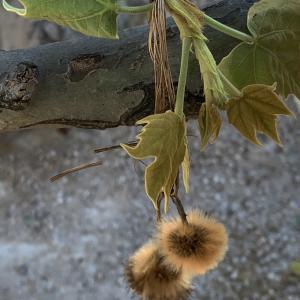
(255, 111)
(275, 54)
(91, 17)
(164, 139)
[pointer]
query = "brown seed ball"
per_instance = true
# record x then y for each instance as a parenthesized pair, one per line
(196, 247)
(152, 278)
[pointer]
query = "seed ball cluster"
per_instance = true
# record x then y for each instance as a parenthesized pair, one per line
(196, 247)
(163, 268)
(152, 278)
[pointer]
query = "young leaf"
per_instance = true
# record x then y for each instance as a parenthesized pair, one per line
(162, 138)
(255, 111)
(210, 123)
(274, 56)
(213, 86)
(215, 95)
(187, 16)
(90, 17)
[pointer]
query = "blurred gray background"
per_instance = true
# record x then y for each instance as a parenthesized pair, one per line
(70, 240)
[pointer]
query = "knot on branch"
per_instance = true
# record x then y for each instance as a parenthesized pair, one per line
(80, 66)
(17, 86)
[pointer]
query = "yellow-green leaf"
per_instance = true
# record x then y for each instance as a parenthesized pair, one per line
(162, 138)
(256, 111)
(210, 123)
(274, 56)
(91, 17)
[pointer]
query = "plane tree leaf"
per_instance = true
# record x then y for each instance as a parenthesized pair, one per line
(255, 111)
(91, 17)
(274, 55)
(163, 138)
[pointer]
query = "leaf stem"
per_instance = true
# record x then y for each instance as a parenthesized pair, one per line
(208, 20)
(186, 46)
(227, 30)
(180, 209)
(234, 91)
(134, 9)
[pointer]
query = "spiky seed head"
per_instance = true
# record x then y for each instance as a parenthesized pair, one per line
(152, 278)
(196, 247)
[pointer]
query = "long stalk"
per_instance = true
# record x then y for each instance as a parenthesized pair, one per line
(227, 30)
(186, 45)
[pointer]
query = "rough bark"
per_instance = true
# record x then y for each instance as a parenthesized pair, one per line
(96, 83)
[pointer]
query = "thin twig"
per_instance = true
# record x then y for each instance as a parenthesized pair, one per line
(177, 202)
(180, 209)
(175, 188)
(109, 148)
(158, 212)
(76, 169)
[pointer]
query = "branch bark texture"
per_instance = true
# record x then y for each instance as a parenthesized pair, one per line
(97, 83)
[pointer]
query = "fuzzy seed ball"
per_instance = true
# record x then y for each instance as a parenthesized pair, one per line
(196, 247)
(152, 278)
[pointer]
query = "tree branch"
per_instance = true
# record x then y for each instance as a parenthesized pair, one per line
(97, 83)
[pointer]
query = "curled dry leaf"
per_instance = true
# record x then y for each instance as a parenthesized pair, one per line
(210, 123)
(255, 111)
(164, 139)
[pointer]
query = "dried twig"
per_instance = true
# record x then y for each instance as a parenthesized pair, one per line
(158, 211)
(109, 148)
(177, 202)
(76, 169)
(180, 209)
